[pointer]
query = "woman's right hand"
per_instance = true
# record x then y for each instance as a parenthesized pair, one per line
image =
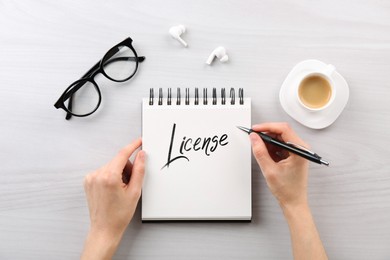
(286, 173)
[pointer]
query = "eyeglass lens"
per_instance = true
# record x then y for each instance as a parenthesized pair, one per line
(122, 65)
(85, 97)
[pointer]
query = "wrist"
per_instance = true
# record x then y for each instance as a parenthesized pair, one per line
(101, 244)
(293, 211)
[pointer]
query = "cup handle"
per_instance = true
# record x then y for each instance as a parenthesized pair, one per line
(328, 71)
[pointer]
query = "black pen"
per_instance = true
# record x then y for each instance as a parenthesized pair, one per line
(291, 147)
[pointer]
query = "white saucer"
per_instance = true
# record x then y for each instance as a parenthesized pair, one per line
(312, 119)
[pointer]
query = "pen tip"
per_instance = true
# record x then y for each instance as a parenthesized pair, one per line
(324, 162)
(246, 130)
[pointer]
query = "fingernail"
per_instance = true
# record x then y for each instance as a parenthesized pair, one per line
(254, 138)
(141, 155)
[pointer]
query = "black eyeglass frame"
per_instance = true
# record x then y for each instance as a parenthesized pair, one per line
(90, 75)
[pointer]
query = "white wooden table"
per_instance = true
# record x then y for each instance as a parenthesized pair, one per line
(46, 45)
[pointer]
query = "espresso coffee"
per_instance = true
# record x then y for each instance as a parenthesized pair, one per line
(315, 92)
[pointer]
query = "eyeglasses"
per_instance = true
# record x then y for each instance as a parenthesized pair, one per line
(119, 64)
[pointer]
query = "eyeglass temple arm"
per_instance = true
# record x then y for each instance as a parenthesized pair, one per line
(70, 102)
(92, 70)
(95, 68)
(89, 73)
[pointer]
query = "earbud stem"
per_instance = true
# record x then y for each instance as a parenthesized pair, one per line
(210, 59)
(182, 42)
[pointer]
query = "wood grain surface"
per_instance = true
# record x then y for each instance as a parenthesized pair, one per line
(46, 45)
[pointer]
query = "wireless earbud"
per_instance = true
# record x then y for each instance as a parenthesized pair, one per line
(176, 31)
(220, 53)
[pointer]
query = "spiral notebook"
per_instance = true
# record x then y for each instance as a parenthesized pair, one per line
(198, 164)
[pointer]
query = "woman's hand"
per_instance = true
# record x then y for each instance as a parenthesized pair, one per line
(112, 192)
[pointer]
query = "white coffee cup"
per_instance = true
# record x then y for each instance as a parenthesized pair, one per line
(315, 89)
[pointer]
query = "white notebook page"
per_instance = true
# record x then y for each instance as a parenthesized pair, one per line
(198, 163)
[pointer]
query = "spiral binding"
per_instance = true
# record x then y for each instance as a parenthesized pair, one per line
(196, 99)
(214, 96)
(169, 100)
(160, 97)
(187, 96)
(223, 96)
(151, 97)
(232, 96)
(178, 98)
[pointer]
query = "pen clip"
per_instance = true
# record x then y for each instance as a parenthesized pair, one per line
(302, 148)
